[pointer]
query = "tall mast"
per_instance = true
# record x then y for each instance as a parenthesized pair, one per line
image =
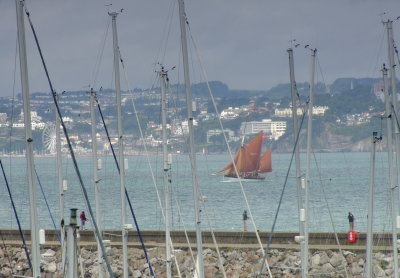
(182, 19)
(297, 159)
(393, 184)
(28, 136)
(370, 214)
(163, 81)
(60, 177)
(96, 180)
(389, 28)
(120, 145)
(309, 140)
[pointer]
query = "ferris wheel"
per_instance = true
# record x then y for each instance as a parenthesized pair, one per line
(49, 138)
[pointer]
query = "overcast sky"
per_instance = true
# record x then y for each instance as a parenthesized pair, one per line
(241, 42)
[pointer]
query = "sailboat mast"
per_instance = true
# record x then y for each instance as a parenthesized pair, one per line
(163, 77)
(297, 155)
(182, 19)
(60, 178)
(96, 180)
(308, 170)
(28, 136)
(370, 235)
(393, 184)
(120, 145)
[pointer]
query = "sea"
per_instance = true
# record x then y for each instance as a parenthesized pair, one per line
(339, 184)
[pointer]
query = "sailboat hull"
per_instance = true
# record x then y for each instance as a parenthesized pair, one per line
(245, 178)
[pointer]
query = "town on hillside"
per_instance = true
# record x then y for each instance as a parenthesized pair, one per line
(345, 113)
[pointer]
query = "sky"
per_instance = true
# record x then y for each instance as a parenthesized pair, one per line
(242, 43)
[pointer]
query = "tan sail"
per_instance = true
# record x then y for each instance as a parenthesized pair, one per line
(251, 154)
(265, 162)
(247, 158)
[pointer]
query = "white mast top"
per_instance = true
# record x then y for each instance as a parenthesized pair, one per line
(182, 17)
(120, 144)
(28, 135)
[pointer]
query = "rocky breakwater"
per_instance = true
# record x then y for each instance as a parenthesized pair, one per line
(237, 263)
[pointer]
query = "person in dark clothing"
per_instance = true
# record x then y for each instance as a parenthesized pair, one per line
(83, 219)
(351, 220)
(245, 217)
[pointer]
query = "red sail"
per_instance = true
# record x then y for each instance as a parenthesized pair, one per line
(251, 154)
(247, 157)
(266, 162)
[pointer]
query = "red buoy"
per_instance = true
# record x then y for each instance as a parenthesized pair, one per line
(352, 236)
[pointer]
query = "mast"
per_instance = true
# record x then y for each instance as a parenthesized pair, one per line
(163, 81)
(60, 178)
(389, 26)
(28, 136)
(370, 214)
(96, 180)
(393, 184)
(120, 145)
(297, 159)
(182, 18)
(309, 139)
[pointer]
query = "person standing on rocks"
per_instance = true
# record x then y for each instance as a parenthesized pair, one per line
(245, 217)
(351, 220)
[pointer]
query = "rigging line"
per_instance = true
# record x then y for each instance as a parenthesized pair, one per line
(382, 39)
(47, 205)
(329, 209)
(126, 192)
(16, 216)
(54, 95)
(264, 260)
(228, 146)
(100, 55)
(169, 24)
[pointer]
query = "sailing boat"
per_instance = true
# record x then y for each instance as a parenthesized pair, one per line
(249, 161)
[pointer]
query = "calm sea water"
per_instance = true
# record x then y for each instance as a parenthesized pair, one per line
(339, 184)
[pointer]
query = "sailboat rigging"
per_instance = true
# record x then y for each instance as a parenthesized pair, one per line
(249, 161)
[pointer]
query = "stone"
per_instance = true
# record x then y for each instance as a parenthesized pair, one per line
(356, 269)
(315, 260)
(209, 272)
(327, 267)
(137, 274)
(52, 267)
(378, 271)
(323, 258)
(336, 260)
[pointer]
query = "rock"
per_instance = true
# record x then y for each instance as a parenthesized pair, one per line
(336, 260)
(378, 271)
(327, 267)
(49, 255)
(389, 272)
(52, 267)
(137, 274)
(209, 272)
(355, 270)
(323, 258)
(315, 260)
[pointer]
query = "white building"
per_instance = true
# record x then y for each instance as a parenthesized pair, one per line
(215, 132)
(287, 112)
(230, 113)
(181, 128)
(272, 129)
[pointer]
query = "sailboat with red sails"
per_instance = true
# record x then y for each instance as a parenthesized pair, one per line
(249, 161)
